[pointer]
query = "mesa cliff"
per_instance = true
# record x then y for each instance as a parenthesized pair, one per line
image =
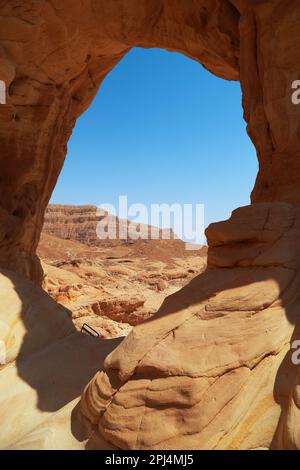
(79, 223)
(212, 369)
(111, 285)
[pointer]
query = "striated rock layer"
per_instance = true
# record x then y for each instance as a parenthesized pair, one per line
(213, 368)
(54, 56)
(80, 223)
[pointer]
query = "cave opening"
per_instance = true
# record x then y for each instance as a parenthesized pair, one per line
(160, 130)
(212, 368)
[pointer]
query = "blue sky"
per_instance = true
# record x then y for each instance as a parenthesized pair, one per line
(161, 130)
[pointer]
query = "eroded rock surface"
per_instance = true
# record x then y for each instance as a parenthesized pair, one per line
(47, 363)
(54, 56)
(205, 372)
(81, 223)
(213, 369)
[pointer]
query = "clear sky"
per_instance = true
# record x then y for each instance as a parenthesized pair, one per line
(161, 130)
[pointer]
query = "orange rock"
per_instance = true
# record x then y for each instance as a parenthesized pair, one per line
(213, 368)
(228, 331)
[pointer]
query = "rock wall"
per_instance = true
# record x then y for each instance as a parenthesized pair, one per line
(214, 366)
(53, 57)
(269, 64)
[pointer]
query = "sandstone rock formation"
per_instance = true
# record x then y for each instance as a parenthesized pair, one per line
(213, 368)
(80, 223)
(208, 375)
(54, 57)
(47, 364)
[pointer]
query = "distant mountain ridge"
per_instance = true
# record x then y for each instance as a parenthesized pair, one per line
(79, 223)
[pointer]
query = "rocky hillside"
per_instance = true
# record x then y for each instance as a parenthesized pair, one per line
(111, 285)
(79, 223)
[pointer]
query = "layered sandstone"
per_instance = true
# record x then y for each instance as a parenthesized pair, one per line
(47, 364)
(53, 57)
(80, 223)
(213, 368)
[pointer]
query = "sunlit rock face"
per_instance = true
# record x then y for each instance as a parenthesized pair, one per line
(213, 369)
(53, 58)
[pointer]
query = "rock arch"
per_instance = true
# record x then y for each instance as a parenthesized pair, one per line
(53, 58)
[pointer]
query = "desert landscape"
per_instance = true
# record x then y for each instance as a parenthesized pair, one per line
(192, 351)
(111, 285)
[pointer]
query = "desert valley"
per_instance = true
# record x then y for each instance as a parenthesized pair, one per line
(110, 285)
